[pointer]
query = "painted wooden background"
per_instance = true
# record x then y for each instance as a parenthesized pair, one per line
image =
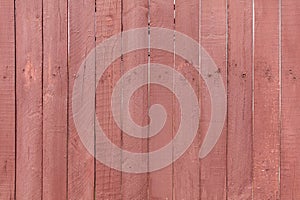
(255, 44)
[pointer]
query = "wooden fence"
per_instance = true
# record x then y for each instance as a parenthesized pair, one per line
(255, 44)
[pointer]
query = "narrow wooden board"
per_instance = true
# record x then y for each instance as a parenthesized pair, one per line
(135, 15)
(55, 102)
(239, 141)
(7, 100)
(29, 61)
(213, 39)
(108, 23)
(187, 168)
(290, 139)
(266, 101)
(160, 182)
(81, 42)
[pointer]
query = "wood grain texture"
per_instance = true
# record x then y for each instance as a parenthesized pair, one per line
(44, 42)
(239, 141)
(290, 139)
(81, 41)
(135, 15)
(187, 168)
(160, 182)
(213, 39)
(7, 100)
(266, 101)
(55, 102)
(29, 62)
(108, 23)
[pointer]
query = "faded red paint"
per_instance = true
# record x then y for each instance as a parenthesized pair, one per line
(41, 155)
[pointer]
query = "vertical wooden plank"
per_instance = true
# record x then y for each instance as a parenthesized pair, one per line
(55, 91)
(187, 168)
(213, 39)
(239, 141)
(7, 100)
(135, 15)
(108, 23)
(81, 41)
(290, 139)
(29, 53)
(266, 101)
(160, 182)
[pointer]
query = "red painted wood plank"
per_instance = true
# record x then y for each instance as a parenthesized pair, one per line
(160, 182)
(213, 39)
(108, 23)
(81, 41)
(7, 100)
(135, 15)
(187, 168)
(55, 91)
(266, 101)
(29, 53)
(290, 139)
(239, 141)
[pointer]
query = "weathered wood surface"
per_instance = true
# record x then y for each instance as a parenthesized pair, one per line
(7, 101)
(81, 32)
(266, 115)
(55, 99)
(29, 94)
(290, 138)
(239, 76)
(186, 175)
(213, 39)
(108, 22)
(255, 46)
